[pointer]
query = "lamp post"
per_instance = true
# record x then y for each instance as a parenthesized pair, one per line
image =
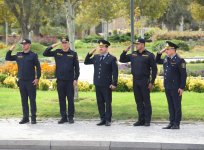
(132, 22)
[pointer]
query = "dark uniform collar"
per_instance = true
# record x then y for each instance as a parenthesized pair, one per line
(26, 53)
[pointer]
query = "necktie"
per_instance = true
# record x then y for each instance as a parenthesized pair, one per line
(101, 59)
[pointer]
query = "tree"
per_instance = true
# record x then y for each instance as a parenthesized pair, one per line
(5, 17)
(197, 9)
(176, 11)
(96, 11)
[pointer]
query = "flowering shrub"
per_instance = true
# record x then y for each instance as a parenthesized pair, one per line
(48, 71)
(10, 82)
(9, 68)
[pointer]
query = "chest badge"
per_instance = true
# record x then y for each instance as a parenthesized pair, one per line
(134, 55)
(20, 56)
(144, 55)
(59, 54)
(69, 55)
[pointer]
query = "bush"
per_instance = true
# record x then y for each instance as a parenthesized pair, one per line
(2, 46)
(9, 68)
(195, 84)
(158, 85)
(159, 45)
(48, 71)
(84, 86)
(2, 78)
(186, 35)
(122, 85)
(44, 84)
(91, 39)
(54, 84)
(10, 82)
(45, 40)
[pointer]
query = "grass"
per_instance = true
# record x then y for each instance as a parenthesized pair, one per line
(123, 105)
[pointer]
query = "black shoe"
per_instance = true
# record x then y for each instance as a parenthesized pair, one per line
(71, 121)
(108, 123)
(24, 120)
(103, 122)
(175, 127)
(139, 123)
(147, 124)
(62, 120)
(33, 121)
(168, 127)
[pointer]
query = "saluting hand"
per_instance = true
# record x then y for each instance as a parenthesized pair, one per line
(12, 47)
(56, 44)
(162, 51)
(128, 48)
(35, 82)
(180, 91)
(93, 51)
(112, 87)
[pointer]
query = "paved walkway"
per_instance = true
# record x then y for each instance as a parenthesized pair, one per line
(85, 134)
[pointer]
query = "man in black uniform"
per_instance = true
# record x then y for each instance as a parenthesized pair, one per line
(105, 79)
(143, 66)
(67, 73)
(174, 82)
(28, 78)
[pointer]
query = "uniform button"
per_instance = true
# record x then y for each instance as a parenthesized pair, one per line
(99, 72)
(98, 76)
(167, 66)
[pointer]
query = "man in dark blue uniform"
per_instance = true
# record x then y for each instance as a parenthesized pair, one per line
(174, 82)
(105, 79)
(144, 71)
(28, 78)
(67, 73)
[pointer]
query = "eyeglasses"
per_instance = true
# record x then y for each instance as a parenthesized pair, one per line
(64, 42)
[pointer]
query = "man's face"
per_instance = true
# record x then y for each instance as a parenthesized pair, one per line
(103, 49)
(26, 47)
(170, 51)
(139, 46)
(65, 45)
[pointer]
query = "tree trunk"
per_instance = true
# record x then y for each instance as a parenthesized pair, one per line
(25, 31)
(70, 16)
(36, 29)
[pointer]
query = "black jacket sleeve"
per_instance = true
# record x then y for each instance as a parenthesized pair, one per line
(76, 67)
(158, 59)
(10, 57)
(88, 60)
(183, 74)
(153, 68)
(114, 72)
(38, 68)
(48, 52)
(124, 57)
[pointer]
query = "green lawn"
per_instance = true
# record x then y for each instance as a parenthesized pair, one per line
(123, 105)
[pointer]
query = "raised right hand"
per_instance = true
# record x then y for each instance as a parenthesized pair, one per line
(12, 47)
(56, 44)
(128, 48)
(93, 51)
(162, 51)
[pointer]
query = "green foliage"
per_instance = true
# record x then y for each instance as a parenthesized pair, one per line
(195, 84)
(2, 77)
(44, 84)
(91, 39)
(10, 82)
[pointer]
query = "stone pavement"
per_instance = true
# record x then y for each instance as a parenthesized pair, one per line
(82, 135)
